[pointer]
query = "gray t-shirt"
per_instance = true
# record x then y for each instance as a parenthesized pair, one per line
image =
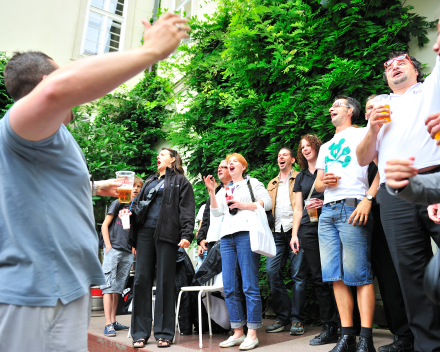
(48, 243)
(118, 236)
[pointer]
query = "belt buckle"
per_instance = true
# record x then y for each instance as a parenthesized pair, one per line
(333, 203)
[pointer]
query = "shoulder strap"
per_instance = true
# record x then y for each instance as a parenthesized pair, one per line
(250, 189)
(311, 191)
(159, 184)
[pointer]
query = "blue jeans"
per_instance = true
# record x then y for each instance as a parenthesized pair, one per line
(236, 250)
(285, 310)
(345, 249)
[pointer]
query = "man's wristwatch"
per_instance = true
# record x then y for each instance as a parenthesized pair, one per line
(94, 188)
(369, 197)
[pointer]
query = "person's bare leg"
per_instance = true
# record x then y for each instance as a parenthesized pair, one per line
(344, 300)
(108, 306)
(238, 332)
(366, 301)
(252, 334)
(115, 299)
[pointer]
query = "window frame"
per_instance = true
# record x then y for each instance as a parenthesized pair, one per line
(107, 15)
(181, 7)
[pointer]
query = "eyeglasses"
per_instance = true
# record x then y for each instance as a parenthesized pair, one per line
(338, 104)
(222, 167)
(398, 58)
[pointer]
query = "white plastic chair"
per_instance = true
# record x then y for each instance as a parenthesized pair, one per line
(213, 285)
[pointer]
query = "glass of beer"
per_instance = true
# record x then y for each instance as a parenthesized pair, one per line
(384, 100)
(313, 212)
(127, 180)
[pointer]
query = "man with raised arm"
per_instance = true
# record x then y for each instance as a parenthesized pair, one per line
(346, 225)
(48, 252)
(407, 226)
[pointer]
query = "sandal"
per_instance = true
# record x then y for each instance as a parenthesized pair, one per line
(139, 343)
(163, 343)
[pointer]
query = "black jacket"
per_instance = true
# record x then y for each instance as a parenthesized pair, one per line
(177, 212)
(206, 220)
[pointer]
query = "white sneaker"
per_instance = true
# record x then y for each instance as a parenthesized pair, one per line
(248, 344)
(232, 342)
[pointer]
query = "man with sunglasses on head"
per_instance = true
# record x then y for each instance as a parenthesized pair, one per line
(407, 226)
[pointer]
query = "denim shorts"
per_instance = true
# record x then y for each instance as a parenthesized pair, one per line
(116, 267)
(345, 249)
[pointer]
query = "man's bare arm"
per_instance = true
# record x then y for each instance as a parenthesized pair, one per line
(40, 114)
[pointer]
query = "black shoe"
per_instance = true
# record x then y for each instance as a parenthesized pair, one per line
(329, 334)
(397, 346)
(277, 327)
(346, 343)
(365, 344)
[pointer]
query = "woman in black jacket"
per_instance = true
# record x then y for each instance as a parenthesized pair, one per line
(169, 224)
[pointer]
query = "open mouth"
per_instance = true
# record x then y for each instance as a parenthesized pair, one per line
(158, 163)
(333, 114)
(282, 162)
(397, 74)
(306, 154)
(135, 193)
(231, 167)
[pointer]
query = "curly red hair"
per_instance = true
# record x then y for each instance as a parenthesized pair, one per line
(315, 143)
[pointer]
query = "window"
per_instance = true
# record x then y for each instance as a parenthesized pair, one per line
(105, 25)
(184, 6)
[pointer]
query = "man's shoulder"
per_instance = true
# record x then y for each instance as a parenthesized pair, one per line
(272, 182)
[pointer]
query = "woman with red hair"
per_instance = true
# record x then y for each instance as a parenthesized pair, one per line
(236, 249)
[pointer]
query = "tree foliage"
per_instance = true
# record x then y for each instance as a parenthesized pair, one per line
(261, 73)
(5, 100)
(119, 131)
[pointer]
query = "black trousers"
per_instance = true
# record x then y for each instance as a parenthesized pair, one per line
(383, 268)
(408, 230)
(150, 253)
(308, 236)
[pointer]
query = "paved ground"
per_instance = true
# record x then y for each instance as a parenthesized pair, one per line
(278, 342)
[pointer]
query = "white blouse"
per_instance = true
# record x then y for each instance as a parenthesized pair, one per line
(240, 221)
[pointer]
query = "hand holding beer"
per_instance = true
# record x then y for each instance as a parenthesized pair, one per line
(312, 208)
(433, 123)
(330, 180)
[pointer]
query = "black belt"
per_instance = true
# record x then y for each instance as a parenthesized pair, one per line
(433, 171)
(350, 200)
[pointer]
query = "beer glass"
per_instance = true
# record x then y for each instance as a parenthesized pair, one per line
(383, 99)
(127, 180)
(332, 170)
(313, 213)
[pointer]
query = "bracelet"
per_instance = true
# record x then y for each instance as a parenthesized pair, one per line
(94, 188)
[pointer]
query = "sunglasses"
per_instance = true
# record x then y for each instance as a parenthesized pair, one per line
(338, 103)
(398, 58)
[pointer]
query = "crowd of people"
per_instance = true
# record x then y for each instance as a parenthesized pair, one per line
(326, 217)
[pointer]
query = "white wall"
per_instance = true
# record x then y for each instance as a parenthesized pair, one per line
(431, 10)
(45, 25)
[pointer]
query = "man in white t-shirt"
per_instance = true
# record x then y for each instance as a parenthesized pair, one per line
(407, 226)
(345, 224)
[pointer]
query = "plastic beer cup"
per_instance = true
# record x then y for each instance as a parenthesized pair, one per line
(313, 213)
(126, 222)
(383, 99)
(127, 180)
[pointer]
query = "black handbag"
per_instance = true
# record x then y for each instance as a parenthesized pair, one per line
(270, 218)
(141, 208)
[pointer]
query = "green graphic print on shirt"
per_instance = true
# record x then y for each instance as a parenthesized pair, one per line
(336, 153)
